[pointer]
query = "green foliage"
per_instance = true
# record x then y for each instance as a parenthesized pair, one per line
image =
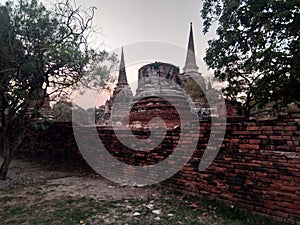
(62, 110)
(41, 125)
(71, 211)
(46, 50)
(256, 50)
(43, 51)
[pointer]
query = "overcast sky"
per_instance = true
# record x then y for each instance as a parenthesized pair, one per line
(126, 21)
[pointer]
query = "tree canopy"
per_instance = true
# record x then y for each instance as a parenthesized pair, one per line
(256, 49)
(43, 51)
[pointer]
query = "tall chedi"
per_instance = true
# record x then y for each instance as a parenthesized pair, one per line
(122, 93)
(193, 81)
(122, 84)
(122, 96)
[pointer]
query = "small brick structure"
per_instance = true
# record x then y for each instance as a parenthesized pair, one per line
(257, 168)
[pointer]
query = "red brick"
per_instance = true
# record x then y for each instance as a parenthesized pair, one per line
(260, 174)
(240, 132)
(281, 194)
(293, 128)
(289, 188)
(263, 136)
(266, 127)
(265, 180)
(296, 138)
(253, 128)
(272, 206)
(267, 132)
(249, 146)
(289, 183)
(255, 141)
(286, 133)
(282, 214)
(278, 128)
(286, 205)
(276, 137)
(234, 141)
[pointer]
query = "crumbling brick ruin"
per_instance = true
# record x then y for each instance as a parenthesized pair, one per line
(257, 168)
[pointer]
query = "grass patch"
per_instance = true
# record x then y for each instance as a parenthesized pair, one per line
(63, 211)
(175, 209)
(6, 199)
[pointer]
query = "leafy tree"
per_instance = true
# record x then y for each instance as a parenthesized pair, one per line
(256, 50)
(62, 110)
(43, 51)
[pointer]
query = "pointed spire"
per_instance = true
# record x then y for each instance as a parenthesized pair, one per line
(122, 79)
(209, 85)
(190, 63)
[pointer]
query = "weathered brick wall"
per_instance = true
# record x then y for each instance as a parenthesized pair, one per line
(257, 168)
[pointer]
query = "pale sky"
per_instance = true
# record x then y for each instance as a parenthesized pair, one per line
(126, 21)
(147, 27)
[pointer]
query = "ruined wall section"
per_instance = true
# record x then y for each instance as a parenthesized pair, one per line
(257, 168)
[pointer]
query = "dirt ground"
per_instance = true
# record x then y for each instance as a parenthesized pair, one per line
(56, 181)
(50, 192)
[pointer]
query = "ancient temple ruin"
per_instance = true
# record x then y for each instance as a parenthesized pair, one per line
(159, 79)
(122, 90)
(159, 94)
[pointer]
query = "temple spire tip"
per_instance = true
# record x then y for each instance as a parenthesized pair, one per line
(122, 72)
(190, 64)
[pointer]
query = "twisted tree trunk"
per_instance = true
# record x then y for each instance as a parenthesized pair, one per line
(10, 142)
(7, 158)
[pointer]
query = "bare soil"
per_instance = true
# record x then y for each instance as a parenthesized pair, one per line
(56, 181)
(51, 192)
